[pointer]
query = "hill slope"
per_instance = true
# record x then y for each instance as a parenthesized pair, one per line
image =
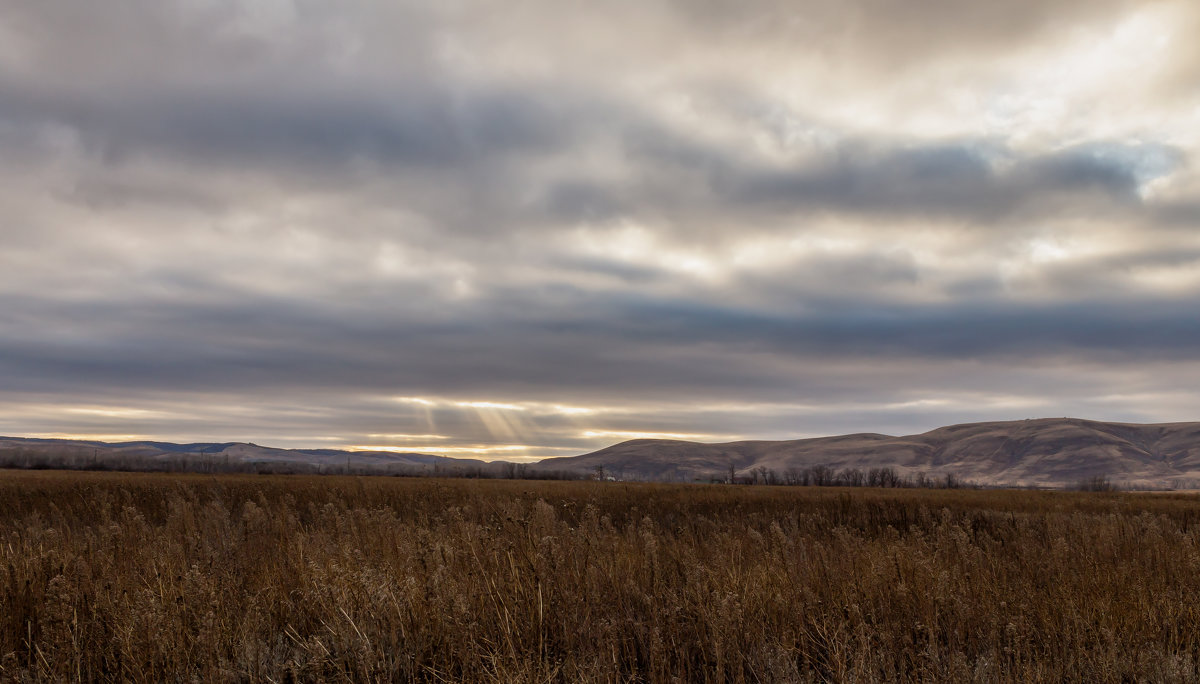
(1051, 452)
(227, 456)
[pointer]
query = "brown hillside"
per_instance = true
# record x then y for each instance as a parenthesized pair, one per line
(1051, 452)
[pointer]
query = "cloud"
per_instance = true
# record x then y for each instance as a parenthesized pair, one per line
(266, 222)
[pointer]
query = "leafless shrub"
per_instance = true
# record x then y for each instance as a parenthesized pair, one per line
(1098, 483)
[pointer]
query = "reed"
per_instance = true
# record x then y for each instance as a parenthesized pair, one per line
(153, 577)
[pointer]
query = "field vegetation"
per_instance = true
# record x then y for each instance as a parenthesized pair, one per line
(154, 577)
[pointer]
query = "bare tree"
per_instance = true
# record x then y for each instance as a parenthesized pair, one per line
(822, 475)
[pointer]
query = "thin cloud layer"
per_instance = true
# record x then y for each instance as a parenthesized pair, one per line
(518, 231)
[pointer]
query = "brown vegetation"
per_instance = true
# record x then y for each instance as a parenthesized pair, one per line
(142, 577)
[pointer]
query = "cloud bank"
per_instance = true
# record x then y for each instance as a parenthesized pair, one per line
(518, 230)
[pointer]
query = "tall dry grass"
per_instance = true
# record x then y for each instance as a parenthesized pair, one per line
(190, 578)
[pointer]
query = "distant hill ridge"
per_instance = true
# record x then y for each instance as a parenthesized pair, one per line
(1046, 452)
(219, 457)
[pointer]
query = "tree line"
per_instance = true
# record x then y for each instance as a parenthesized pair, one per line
(828, 476)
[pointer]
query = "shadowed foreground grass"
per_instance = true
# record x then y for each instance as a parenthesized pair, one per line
(138, 577)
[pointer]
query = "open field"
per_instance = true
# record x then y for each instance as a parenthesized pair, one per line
(149, 577)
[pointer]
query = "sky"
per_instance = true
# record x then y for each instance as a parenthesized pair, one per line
(529, 228)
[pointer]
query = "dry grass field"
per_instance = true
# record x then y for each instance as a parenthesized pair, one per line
(141, 577)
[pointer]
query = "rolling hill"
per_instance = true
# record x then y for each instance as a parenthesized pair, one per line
(223, 457)
(1051, 452)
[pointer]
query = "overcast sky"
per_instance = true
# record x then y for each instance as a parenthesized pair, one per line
(525, 228)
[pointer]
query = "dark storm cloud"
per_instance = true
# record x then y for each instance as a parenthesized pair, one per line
(978, 180)
(443, 149)
(416, 124)
(608, 347)
(499, 131)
